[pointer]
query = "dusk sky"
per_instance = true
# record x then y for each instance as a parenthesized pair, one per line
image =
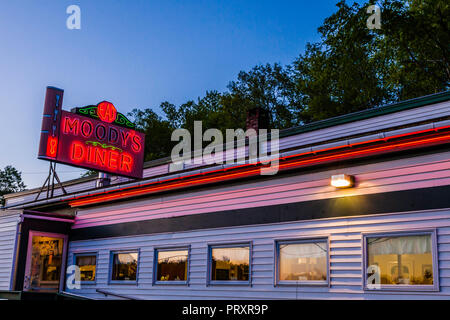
(135, 54)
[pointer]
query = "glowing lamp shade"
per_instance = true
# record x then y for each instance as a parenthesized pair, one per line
(342, 181)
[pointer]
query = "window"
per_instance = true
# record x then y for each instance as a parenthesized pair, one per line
(401, 261)
(230, 263)
(171, 265)
(302, 261)
(87, 264)
(124, 266)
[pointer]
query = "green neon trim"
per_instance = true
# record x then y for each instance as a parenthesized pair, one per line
(103, 145)
(91, 112)
(121, 120)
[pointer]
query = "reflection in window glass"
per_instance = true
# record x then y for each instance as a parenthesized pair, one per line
(172, 265)
(402, 260)
(87, 267)
(124, 266)
(46, 261)
(230, 264)
(303, 261)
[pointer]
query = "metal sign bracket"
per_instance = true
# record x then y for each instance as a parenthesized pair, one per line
(49, 183)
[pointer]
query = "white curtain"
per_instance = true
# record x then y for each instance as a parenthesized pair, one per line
(311, 250)
(400, 245)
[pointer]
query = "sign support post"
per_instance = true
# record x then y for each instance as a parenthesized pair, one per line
(50, 182)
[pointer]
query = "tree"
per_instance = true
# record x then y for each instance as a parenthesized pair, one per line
(415, 39)
(340, 74)
(354, 68)
(157, 131)
(270, 87)
(351, 68)
(215, 110)
(10, 181)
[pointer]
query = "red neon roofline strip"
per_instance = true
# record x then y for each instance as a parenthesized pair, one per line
(271, 159)
(250, 170)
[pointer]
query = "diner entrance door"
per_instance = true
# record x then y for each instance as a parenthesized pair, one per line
(45, 261)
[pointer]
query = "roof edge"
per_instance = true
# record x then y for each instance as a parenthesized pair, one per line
(347, 118)
(369, 113)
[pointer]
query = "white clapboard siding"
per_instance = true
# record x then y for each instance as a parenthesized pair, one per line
(156, 171)
(345, 256)
(8, 229)
(401, 174)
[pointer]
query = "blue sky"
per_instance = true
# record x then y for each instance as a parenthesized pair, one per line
(135, 54)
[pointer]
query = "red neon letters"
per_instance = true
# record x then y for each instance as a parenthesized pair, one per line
(101, 132)
(107, 144)
(103, 146)
(111, 159)
(52, 146)
(106, 111)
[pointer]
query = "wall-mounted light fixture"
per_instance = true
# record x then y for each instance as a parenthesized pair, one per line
(342, 181)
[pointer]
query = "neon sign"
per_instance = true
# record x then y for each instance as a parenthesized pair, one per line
(94, 137)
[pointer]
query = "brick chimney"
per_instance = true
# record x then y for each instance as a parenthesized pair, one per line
(257, 118)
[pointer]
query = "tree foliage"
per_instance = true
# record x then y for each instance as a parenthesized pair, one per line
(350, 68)
(10, 181)
(271, 88)
(415, 43)
(340, 74)
(157, 133)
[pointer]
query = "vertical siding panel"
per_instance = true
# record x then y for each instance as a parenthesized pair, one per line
(8, 230)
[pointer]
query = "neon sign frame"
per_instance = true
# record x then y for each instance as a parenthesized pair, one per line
(105, 141)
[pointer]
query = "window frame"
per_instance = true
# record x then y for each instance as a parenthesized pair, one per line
(86, 254)
(64, 258)
(306, 283)
(407, 287)
(111, 263)
(211, 246)
(155, 265)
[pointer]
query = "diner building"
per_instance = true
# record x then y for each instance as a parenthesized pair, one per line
(359, 209)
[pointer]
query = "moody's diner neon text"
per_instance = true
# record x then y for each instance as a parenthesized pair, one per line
(100, 144)
(99, 139)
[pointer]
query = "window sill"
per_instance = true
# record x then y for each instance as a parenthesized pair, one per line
(303, 283)
(168, 283)
(403, 288)
(229, 283)
(129, 282)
